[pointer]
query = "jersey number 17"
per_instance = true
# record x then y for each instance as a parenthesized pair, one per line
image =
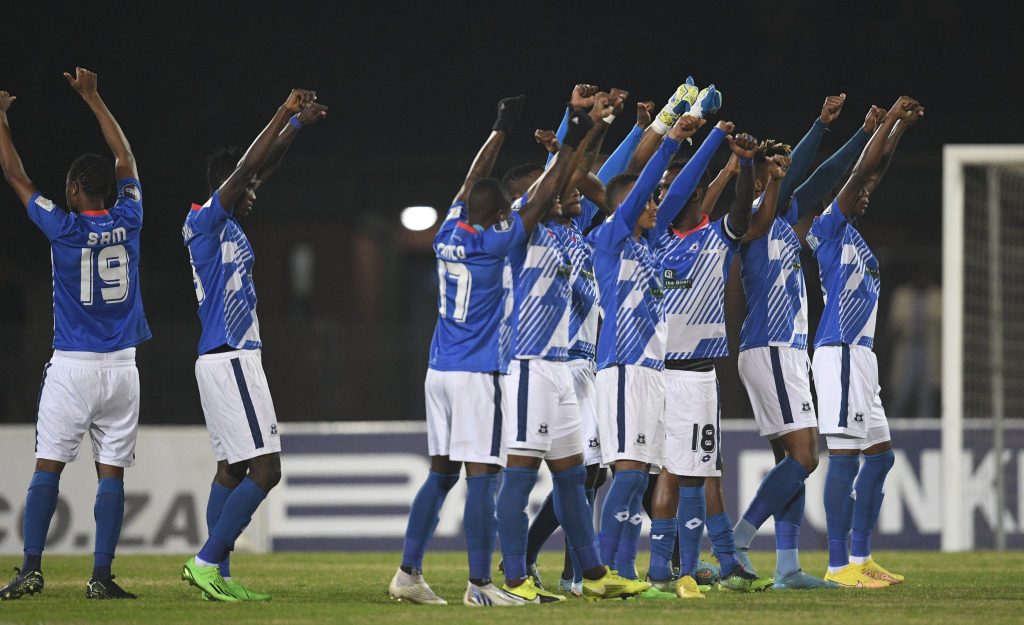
(459, 274)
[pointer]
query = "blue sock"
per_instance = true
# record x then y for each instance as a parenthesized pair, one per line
(574, 513)
(109, 512)
(214, 506)
(423, 517)
(513, 521)
(235, 516)
(690, 525)
(577, 572)
(625, 555)
(615, 512)
(542, 527)
(40, 504)
(723, 543)
(866, 507)
(787, 535)
(480, 524)
(775, 491)
(842, 470)
(663, 539)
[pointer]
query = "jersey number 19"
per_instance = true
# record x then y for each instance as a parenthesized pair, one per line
(110, 265)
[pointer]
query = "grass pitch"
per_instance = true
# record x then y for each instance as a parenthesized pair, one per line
(352, 588)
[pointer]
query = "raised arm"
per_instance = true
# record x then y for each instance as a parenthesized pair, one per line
(718, 185)
(618, 161)
(256, 156)
(762, 220)
(804, 152)
(872, 155)
(311, 114)
(682, 187)
(744, 148)
(909, 119)
(542, 194)
(14, 171)
(85, 83)
(509, 110)
(809, 195)
(582, 97)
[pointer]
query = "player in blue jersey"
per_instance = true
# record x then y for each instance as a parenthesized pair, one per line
(237, 405)
(845, 368)
(773, 363)
(694, 255)
(631, 342)
(467, 359)
(91, 384)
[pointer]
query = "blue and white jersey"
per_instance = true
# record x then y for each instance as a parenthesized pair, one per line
(541, 295)
(97, 300)
(850, 281)
(583, 308)
(473, 293)
(629, 278)
(695, 267)
(774, 287)
(222, 261)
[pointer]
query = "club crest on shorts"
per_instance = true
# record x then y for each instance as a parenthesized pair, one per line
(273, 428)
(859, 417)
(806, 406)
(641, 439)
(593, 443)
(543, 429)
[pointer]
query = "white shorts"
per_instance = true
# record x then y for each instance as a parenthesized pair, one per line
(542, 417)
(94, 392)
(583, 376)
(779, 386)
(846, 378)
(630, 404)
(693, 439)
(237, 405)
(464, 416)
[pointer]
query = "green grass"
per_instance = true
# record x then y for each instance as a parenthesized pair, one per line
(352, 588)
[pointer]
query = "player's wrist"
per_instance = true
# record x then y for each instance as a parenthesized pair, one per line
(295, 122)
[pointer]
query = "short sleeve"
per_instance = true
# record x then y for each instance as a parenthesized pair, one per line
(731, 238)
(53, 220)
(588, 210)
(830, 224)
(129, 198)
(505, 235)
(209, 217)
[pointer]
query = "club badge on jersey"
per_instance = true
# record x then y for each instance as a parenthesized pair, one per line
(222, 261)
(97, 300)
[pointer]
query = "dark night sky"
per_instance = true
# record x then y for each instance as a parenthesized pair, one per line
(412, 88)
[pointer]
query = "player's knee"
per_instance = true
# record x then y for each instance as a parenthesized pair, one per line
(807, 459)
(265, 471)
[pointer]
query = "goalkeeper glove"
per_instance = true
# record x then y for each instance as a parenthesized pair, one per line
(708, 102)
(679, 103)
(578, 127)
(509, 110)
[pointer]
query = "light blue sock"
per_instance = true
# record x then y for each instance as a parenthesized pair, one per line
(787, 536)
(842, 470)
(513, 521)
(40, 504)
(690, 525)
(480, 524)
(108, 512)
(615, 512)
(424, 516)
(625, 555)
(663, 540)
(868, 505)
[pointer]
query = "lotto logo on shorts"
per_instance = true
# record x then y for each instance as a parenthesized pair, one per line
(705, 458)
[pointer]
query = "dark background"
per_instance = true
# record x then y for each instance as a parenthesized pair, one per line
(412, 90)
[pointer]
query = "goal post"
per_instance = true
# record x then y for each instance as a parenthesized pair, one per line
(982, 327)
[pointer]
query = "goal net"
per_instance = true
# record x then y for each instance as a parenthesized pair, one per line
(983, 347)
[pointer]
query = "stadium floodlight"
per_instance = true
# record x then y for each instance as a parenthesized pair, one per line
(982, 329)
(418, 218)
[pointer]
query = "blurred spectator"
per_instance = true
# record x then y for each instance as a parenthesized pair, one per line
(915, 328)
